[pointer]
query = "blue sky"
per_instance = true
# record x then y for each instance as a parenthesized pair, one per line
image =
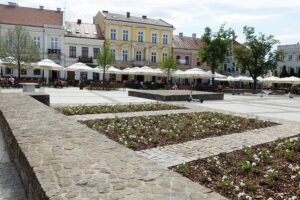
(276, 17)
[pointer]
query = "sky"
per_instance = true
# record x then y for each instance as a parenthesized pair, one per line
(277, 17)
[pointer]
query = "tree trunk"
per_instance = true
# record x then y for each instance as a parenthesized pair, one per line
(19, 71)
(213, 72)
(255, 84)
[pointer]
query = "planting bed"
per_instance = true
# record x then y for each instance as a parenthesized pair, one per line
(145, 132)
(269, 171)
(83, 110)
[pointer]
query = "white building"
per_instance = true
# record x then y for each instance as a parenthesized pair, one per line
(82, 43)
(291, 58)
(46, 28)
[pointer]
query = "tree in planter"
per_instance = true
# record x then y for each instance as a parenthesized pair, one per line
(255, 55)
(169, 64)
(215, 46)
(292, 72)
(298, 73)
(105, 58)
(284, 72)
(17, 47)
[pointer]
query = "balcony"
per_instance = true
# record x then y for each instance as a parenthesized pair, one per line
(155, 64)
(85, 59)
(54, 51)
(140, 63)
(121, 62)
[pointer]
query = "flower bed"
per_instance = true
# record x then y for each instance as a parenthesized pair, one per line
(82, 110)
(151, 131)
(269, 171)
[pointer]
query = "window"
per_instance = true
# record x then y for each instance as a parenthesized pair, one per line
(198, 62)
(140, 36)
(36, 72)
(154, 38)
(85, 52)
(165, 55)
(23, 71)
(113, 34)
(8, 71)
(113, 51)
(125, 55)
(153, 57)
(290, 57)
(8, 41)
(37, 41)
(138, 56)
(178, 58)
(96, 52)
(54, 43)
(165, 39)
(125, 35)
(187, 60)
(72, 52)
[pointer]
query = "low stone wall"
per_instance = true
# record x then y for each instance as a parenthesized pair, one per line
(175, 95)
(58, 158)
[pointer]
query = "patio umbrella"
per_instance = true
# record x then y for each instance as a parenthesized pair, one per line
(81, 67)
(292, 80)
(243, 79)
(195, 73)
(49, 64)
(271, 79)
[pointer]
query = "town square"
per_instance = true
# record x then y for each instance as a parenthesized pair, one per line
(109, 101)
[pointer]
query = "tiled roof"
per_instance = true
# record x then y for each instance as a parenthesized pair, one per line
(184, 42)
(133, 19)
(83, 30)
(30, 16)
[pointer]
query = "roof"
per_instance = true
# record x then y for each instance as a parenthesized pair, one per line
(30, 16)
(184, 42)
(83, 30)
(133, 19)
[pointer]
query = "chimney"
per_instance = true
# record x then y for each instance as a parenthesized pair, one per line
(41, 7)
(13, 4)
(144, 17)
(181, 34)
(128, 14)
(58, 9)
(104, 11)
(78, 21)
(194, 35)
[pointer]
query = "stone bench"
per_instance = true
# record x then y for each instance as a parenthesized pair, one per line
(28, 87)
(58, 158)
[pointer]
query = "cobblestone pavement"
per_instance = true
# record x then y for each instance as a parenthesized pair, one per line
(10, 184)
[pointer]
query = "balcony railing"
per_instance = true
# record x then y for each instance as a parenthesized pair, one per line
(140, 63)
(54, 51)
(121, 62)
(84, 59)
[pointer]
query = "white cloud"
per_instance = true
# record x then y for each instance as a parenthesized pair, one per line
(238, 18)
(288, 38)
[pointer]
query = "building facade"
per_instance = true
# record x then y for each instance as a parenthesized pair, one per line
(46, 28)
(290, 60)
(82, 43)
(185, 51)
(136, 41)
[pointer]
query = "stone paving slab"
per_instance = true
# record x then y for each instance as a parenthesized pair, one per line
(59, 158)
(171, 155)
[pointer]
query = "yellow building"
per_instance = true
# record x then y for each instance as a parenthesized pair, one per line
(136, 41)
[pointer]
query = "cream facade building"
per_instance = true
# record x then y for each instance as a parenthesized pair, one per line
(291, 58)
(82, 43)
(46, 28)
(136, 41)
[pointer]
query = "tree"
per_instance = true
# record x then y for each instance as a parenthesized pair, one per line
(105, 58)
(169, 64)
(18, 48)
(215, 46)
(284, 72)
(256, 55)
